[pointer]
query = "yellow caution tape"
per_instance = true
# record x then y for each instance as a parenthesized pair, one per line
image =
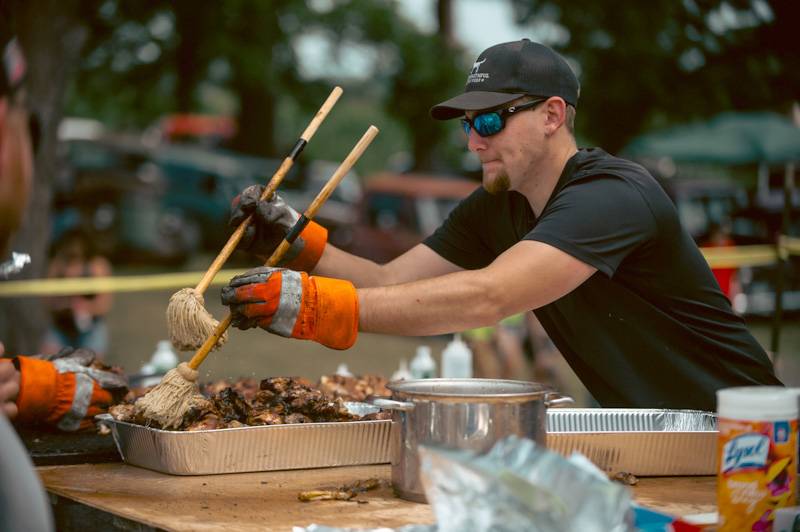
(760, 255)
(738, 256)
(791, 244)
(91, 285)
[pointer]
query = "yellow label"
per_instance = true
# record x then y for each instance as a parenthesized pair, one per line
(757, 472)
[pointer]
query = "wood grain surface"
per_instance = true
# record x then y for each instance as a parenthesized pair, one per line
(268, 501)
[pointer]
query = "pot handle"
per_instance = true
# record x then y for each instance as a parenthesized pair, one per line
(557, 399)
(390, 404)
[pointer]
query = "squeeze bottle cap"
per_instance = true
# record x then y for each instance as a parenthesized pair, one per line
(423, 351)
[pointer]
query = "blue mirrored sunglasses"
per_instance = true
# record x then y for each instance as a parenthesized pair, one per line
(493, 122)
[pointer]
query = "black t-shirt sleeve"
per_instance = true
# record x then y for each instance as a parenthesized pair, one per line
(461, 238)
(599, 220)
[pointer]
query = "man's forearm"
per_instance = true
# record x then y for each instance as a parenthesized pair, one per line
(449, 303)
(419, 262)
(526, 276)
(342, 265)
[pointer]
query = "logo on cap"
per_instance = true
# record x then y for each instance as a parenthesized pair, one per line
(474, 75)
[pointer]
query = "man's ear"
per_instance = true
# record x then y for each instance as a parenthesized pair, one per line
(556, 114)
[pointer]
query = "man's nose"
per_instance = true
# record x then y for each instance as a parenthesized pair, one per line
(475, 142)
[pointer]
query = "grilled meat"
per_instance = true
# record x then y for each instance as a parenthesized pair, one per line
(123, 412)
(265, 417)
(231, 405)
(354, 388)
(247, 387)
(272, 401)
(207, 422)
(297, 418)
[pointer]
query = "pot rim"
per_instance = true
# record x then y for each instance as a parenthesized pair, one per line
(406, 387)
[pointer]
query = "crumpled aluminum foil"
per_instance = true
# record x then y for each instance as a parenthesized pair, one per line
(14, 265)
(517, 486)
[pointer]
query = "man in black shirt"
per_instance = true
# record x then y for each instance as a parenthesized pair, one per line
(588, 241)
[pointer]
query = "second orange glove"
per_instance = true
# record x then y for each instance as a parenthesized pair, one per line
(294, 304)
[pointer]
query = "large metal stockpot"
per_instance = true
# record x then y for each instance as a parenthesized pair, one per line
(462, 414)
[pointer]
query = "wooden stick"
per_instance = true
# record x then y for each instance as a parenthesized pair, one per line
(283, 169)
(280, 251)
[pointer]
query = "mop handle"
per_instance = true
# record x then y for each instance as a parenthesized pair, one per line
(280, 251)
(280, 173)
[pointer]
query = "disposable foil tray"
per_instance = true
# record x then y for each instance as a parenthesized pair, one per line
(245, 449)
(639, 441)
(643, 442)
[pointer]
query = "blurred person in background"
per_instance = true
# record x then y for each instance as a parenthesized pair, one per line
(23, 504)
(719, 235)
(501, 351)
(65, 391)
(588, 241)
(78, 321)
(519, 348)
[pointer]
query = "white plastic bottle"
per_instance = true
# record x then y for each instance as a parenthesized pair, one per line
(423, 366)
(164, 358)
(402, 373)
(457, 359)
(343, 371)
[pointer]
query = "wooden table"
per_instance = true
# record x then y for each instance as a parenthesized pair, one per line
(122, 497)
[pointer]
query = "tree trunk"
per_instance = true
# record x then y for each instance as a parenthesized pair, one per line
(189, 63)
(52, 50)
(444, 16)
(257, 77)
(256, 118)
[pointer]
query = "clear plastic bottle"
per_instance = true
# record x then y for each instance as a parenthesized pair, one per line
(164, 358)
(757, 455)
(423, 366)
(402, 373)
(457, 359)
(343, 370)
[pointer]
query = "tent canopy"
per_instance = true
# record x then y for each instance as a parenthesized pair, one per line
(729, 138)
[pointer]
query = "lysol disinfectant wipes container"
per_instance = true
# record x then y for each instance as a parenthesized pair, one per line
(757, 451)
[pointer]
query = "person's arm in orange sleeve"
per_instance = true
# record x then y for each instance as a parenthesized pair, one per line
(65, 392)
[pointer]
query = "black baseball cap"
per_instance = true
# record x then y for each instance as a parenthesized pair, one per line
(509, 71)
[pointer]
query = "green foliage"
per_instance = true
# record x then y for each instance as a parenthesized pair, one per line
(645, 64)
(641, 65)
(147, 59)
(341, 130)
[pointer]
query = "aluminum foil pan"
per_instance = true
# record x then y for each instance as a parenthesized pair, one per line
(361, 409)
(246, 449)
(629, 420)
(643, 442)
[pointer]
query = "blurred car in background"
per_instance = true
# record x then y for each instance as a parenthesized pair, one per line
(199, 129)
(398, 211)
(164, 204)
(112, 190)
(200, 184)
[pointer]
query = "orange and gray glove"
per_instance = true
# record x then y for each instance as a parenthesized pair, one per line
(272, 222)
(294, 304)
(64, 391)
